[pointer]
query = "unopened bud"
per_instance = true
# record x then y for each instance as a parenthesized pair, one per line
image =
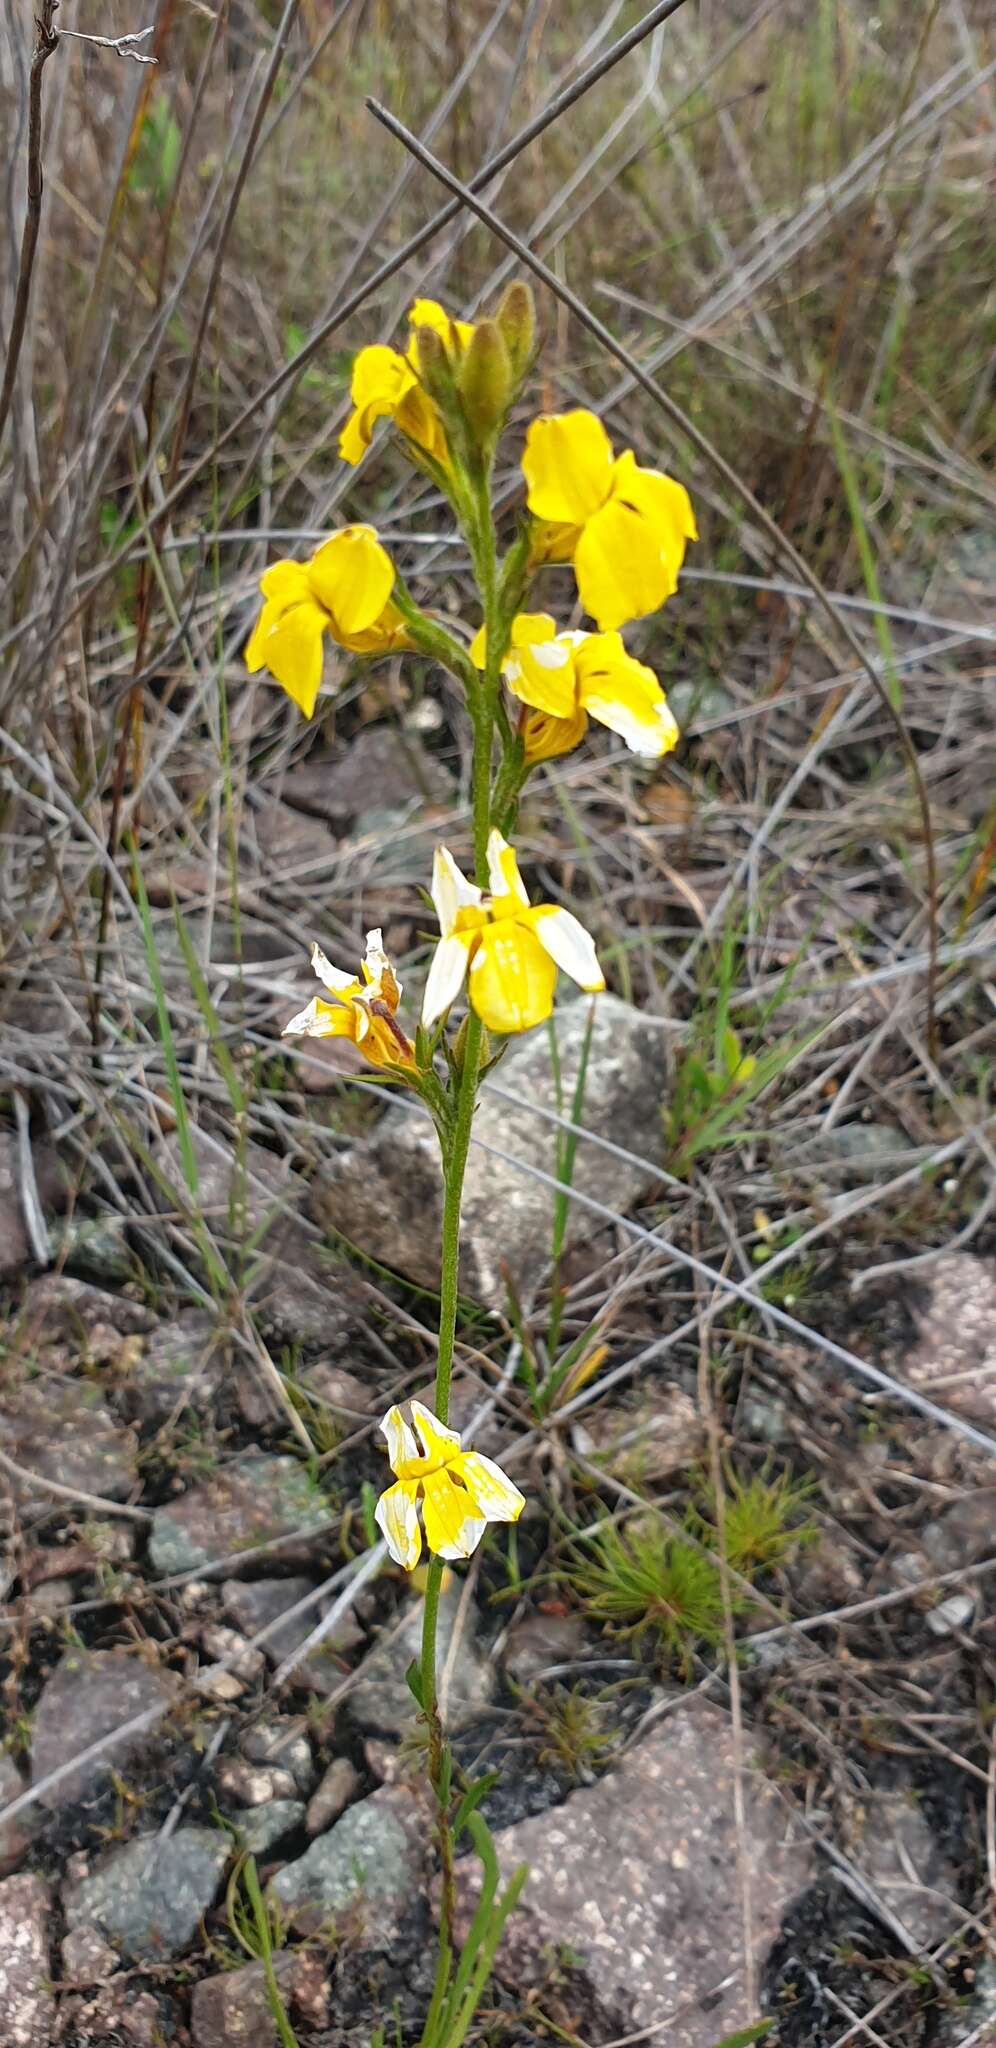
(485, 378)
(516, 317)
(434, 370)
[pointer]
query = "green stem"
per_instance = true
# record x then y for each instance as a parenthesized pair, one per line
(454, 1168)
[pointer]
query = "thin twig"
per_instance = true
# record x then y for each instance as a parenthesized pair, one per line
(46, 39)
(124, 45)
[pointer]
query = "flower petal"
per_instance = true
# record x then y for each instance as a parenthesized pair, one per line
(565, 939)
(446, 976)
(625, 695)
(321, 1020)
(396, 1516)
(438, 1442)
(490, 1489)
(451, 890)
(543, 738)
(660, 498)
(512, 978)
(378, 973)
(291, 649)
(402, 1448)
(542, 675)
(352, 575)
(503, 869)
(567, 464)
(285, 583)
(333, 977)
(621, 568)
(452, 1528)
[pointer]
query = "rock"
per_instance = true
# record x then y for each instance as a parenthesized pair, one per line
(283, 836)
(369, 1860)
(87, 1958)
(232, 2011)
(302, 1294)
(953, 1357)
(60, 1428)
(385, 1195)
(96, 1248)
(382, 772)
(180, 1366)
(379, 1699)
(61, 1309)
(660, 1434)
(232, 1651)
(962, 1533)
(889, 1838)
(338, 1785)
(280, 1742)
(141, 2020)
(149, 1897)
(540, 1640)
(252, 1501)
(349, 1399)
(27, 2007)
(90, 1693)
(52, 1597)
(252, 1785)
(636, 1879)
(17, 1835)
(261, 1827)
(951, 1614)
(15, 1245)
(258, 1602)
(859, 1150)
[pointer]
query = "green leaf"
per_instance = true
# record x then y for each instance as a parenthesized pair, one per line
(471, 1800)
(413, 1680)
(746, 2035)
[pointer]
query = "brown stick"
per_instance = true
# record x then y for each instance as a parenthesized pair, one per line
(46, 39)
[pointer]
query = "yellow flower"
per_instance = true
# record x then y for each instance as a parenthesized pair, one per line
(460, 1491)
(344, 590)
(361, 1010)
(625, 527)
(385, 385)
(512, 952)
(565, 677)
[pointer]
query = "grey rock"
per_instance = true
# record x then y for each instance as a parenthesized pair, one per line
(542, 1640)
(382, 772)
(281, 1742)
(369, 1860)
(228, 1648)
(258, 1602)
(953, 1358)
(232, 2011)
(252, 1501)
(962, 1533)
(890, 1840)
(385, 1195)
(60, 1428)
(17, 1835)
(180, 1366)
(857, 1149)
(90, 1693)
(87, 1958)
(379, 1699)
(27, 2007)
(15, 1247)
(149, 1897)
(339, 1784)
(261, 1827)
(951, 1614)
(699, 700)
(636, 1876)
(653, 1438)
(95, 1247)
(252, 1784)
(59, 1307)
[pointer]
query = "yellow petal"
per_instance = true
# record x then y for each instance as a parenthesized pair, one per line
(625, 695)
(438, 1442)
(490, 1489)
(549, 542)
(285, 583)
(402, 1448)
(512, 978)
(333, 977)
(291, 649)
(541, 673)
(503, 869)
(452, 1529)
(620, 565)
(379, 382)
(451, 891)
(417, 418)
(567, 464)
(544, 738)
(454, 334)
(255, 649)
(565, 939)
(396, 1516)
(352, 575)
(478, 649)
(446, 976)
(322, 1020)
(660, 498)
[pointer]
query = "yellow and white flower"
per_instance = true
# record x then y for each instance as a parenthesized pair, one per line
(460, 1492)
(624, 527)
(509, 950)
(360, 1010)
(385, 385)
(344, 590)
(567, 677)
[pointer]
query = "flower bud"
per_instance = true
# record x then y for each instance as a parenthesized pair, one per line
(485, 379)
(516, 318)
(434, 368)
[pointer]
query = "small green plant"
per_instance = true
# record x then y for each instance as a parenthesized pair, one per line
(641, 1580)
(572, 1731)
(258, 1928)
(761, 1525)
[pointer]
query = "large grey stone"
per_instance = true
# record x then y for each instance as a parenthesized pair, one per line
(233, 2011)
(380, 1699)
(252, 1501)
(953, 1358)
(386, 1195)
(890, 1839)
(370, 1861)
(149, 1897)
(651, 1438)
(255, 1603)
(179, 1366)
(261, 1827)
(60, 1428)
(27, 2007)
(90, 1693)
(381, 773)
(637, 1878)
